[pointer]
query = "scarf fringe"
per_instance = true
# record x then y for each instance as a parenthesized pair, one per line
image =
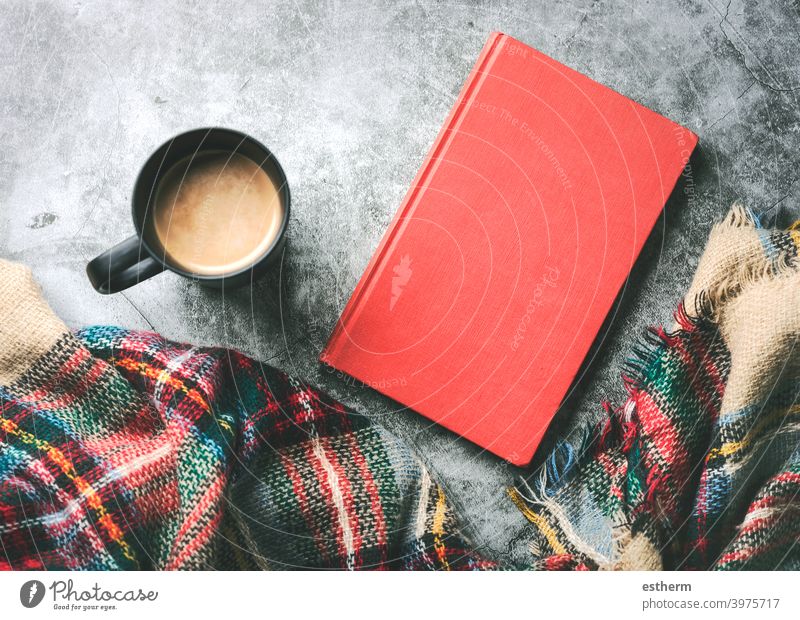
(618, 424)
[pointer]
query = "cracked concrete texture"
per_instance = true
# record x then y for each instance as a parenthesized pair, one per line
(350, 96)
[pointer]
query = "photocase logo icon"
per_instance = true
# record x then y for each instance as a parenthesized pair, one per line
(31, 593)
(402, 274)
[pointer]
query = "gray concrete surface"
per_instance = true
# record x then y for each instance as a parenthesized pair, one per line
(350, 95)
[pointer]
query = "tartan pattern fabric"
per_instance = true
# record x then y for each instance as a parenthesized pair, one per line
(700, 468)
(121, 450)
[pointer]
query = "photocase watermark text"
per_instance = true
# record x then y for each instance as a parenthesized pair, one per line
(66, 596)
(547, 281)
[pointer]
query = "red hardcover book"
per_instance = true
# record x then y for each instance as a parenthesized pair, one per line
(487, 290)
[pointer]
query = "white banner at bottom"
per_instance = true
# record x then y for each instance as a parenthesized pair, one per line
(333, 595)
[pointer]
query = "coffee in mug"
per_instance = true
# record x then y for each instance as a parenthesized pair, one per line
(211, 204)
(215, 213)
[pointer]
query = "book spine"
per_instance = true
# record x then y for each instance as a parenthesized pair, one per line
(377, 262)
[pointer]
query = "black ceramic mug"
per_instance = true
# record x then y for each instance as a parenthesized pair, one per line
(141, 256)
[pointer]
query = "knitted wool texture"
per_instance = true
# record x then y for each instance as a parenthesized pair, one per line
(700, 468)
(120, 450)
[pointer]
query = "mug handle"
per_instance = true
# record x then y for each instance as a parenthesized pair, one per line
(121, 267)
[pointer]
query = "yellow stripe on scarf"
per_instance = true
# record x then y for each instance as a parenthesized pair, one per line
(438, 528)
(732, 447)
(86, 489)
(163, 376)
(794, 233)
(538, 520)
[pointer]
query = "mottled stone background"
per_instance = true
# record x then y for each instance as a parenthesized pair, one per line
(350, 95)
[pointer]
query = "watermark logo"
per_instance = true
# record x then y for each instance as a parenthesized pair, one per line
(402, 274)
(31, 593)
(547, 281)
(67, 596)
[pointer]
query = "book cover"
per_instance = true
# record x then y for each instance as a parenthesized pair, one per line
(503, 260)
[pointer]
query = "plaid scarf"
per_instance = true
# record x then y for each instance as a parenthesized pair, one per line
(120, 450)
(700, 468)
